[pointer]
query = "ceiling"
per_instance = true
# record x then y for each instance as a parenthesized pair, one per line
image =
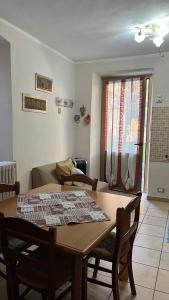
(84, 30)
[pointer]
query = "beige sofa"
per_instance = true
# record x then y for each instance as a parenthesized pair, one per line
(47, 174)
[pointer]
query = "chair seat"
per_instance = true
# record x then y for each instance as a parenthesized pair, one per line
(106, 248)
(17, 244)
(38, 279)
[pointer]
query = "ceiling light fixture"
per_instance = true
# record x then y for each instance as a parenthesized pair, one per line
(139, 36)
(155, 32)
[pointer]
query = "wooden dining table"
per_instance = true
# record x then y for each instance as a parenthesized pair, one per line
(78, 239)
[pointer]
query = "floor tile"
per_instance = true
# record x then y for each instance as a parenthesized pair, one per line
(106, 264)
(94, 292)
(152, 242)
(139, 224)
(142, 293)
(141, 217)
(159, 204)
(143, 210)
(144, 275)
(146, 256)
(157, 221)
(164, 261)
(157, 213)
(165, 246)
(152, 230)
(97, 292)
(102, 276)
(162, 284)
(160, 296)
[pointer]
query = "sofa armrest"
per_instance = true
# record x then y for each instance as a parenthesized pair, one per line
(43, 175)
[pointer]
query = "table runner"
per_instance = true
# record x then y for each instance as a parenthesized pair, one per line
(61, 208)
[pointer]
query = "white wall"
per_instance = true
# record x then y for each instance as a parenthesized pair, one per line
(159, 178)
(39, 138)
(5, 102)
(95, 131)
(84, 71)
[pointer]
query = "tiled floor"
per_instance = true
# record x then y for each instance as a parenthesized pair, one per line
(150, 260)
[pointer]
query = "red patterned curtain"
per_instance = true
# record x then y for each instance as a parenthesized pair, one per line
(123, 102)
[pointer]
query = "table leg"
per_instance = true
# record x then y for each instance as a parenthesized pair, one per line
(77, 278)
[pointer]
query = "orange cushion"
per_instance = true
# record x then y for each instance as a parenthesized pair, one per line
(64, 167)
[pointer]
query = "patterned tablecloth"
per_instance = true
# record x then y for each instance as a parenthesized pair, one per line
(49, 209)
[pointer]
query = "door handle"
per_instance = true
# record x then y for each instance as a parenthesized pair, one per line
(139, 144)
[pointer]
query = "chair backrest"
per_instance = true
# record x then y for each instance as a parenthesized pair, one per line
(128, 216)
(32, 234)
(4, 188)
(80, 178)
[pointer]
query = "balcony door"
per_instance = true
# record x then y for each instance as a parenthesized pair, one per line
(124, 103)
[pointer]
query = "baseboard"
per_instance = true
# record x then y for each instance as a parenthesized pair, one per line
(157, 199)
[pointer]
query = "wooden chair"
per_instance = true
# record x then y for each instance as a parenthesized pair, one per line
(80, 178)
(44, 270)
(117, 248)
(4, 188)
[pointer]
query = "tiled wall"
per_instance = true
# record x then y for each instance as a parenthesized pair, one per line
(159, 134)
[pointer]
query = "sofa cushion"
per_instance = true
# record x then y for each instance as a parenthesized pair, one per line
(101, 187)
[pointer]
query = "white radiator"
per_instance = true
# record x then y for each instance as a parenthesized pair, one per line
(8, 175)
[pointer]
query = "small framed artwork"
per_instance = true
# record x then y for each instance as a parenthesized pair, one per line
(59, 101)
(71, 103)
(64, 102)
(43, 83)
(33, 104)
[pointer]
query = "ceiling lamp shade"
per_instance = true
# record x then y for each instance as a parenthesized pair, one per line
(158, 40)
(139, 36)
(154, 32)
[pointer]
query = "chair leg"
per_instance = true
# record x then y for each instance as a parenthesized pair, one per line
(51, 295)
(131, 277)
(44, 296)
(12, 284)
(97, 262)
(115, 285)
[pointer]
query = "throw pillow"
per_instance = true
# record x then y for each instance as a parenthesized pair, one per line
(64, 167)
(77, 171)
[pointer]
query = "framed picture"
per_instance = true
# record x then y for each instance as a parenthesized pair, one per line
(34, 104)
(43, 83)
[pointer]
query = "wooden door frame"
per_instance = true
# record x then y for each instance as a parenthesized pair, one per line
(148, 133)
